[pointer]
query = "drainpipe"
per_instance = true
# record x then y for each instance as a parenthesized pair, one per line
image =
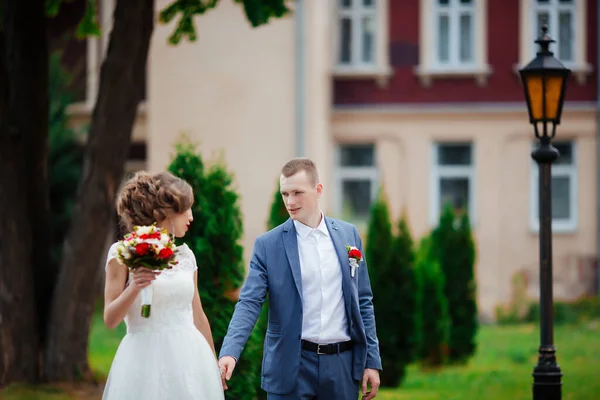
(299, 77)
(598, 147)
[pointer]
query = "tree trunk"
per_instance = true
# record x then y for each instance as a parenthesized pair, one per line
(24, 201)
(121, 82)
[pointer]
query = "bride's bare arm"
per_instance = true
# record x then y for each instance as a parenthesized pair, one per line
(117, 297)
(200, 319)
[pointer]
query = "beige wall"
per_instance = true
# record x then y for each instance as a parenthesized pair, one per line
(502, 145)
(231, 91)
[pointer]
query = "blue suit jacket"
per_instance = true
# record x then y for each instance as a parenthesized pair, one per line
(275, 268)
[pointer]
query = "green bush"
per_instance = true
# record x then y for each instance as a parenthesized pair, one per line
(396, 308)
(379, 239)
(377, 254)
(278, 214)
(65, 156)
(465, 322)
(586, 308)
(581, 310)
(507, 315)
(434, 318)
(214, 238)
(455, 251)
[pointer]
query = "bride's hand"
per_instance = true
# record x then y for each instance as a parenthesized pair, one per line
(143, 277)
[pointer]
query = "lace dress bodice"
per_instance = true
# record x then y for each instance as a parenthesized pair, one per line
(172, 295)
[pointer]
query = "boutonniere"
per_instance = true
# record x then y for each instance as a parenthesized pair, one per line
(354, 256)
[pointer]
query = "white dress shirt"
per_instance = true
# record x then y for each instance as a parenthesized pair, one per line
(324, 313)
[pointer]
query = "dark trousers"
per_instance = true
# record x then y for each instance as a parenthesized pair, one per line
(323, 377)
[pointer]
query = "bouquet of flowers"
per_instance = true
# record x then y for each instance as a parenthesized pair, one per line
(150, 247)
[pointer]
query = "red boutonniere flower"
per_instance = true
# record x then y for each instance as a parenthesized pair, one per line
(355, 257)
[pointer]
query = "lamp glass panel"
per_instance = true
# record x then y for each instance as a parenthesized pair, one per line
(534, 90)
(552, 89)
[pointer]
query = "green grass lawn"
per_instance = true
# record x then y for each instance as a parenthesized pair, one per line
(501, 369)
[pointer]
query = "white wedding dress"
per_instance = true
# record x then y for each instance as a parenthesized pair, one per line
(165, 357)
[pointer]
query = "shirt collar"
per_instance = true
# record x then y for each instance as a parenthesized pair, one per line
(305, 230)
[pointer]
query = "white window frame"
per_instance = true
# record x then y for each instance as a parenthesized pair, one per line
(341, 174)
(429, 68)
(437, 172)
(380, 68)
(453, 10)
(553, 8)
(529, 33)
(558, 170)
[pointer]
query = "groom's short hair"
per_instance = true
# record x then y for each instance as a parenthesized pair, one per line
(296, 165)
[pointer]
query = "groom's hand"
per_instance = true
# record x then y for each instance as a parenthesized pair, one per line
(226, 366)
(370, 377)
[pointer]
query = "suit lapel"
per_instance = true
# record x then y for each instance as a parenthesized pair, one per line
(340, 248)
(290, 243)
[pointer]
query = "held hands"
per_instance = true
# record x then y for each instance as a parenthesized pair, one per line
(143, 277)
(226, 366)
(370, 377)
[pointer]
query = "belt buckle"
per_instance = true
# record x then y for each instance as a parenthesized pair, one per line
(319, 350)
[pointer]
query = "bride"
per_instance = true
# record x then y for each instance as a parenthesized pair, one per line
(171, 354)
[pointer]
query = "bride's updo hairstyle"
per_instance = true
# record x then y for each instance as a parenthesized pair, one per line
(146, 197)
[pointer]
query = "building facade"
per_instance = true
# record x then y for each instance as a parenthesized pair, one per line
(419, 97)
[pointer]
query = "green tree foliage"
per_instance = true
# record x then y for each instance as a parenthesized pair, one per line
(258, 12)
(465, 320)
(396, 308)
(379, 239)
(455, 251)
(214, 237)
(378, 251)
(434, 319)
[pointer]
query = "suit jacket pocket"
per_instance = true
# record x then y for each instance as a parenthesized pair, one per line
(280, 364)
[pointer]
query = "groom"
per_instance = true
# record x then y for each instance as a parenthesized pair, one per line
(321, 341)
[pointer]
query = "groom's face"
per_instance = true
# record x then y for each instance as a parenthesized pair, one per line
(300, 196)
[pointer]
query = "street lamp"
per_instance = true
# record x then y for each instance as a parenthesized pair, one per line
(544, 81)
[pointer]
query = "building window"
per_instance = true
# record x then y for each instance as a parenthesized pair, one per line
(567, 22)
(362, 39)
(356, 181)
(560, 17)
(564, 190)
(358, 22)
(453, 40)
(452, 177)
(455, 27)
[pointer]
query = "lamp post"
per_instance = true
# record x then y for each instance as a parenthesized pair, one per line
(544, 81)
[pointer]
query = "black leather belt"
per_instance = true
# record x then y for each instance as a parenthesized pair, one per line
(332, 348)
